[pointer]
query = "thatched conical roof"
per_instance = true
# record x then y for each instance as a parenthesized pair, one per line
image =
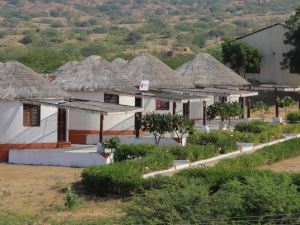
(119, 62)
(148, 67)
(92, 74)
(65, 67)
(19, 82)
(204, 71)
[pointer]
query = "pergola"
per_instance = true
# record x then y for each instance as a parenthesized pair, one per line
(104, 109)
(191, 95)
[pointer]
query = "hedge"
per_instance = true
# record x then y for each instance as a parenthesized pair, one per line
(240, 197)
(232, 192)
(293, 117)
(256, 131)
(220, 139)
(133, 151)
(290, 128)
(123, 177)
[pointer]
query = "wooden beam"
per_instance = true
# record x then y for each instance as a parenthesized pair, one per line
(244, 103)
(101, 128)
(138, 117)
(249, 108)
(174, 108)
(276, 103)
(204, 113)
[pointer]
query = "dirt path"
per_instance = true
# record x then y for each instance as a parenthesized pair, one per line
(289, 165)
(39, 190)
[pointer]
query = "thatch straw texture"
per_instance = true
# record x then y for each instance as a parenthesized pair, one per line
(19, 82)
(92, 74)
(118, 62)
(205, 71)
(67, 66)
(148, 67)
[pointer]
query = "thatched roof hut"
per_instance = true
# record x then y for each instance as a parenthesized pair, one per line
(67, 66)
(148, 67)
(19, 82)
(205, 71)
(119, 62)
(92, 74)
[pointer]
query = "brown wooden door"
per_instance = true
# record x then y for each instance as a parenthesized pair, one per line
(186, 109)
(62, 125)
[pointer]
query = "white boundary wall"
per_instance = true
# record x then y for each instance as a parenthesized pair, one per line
(56, 158)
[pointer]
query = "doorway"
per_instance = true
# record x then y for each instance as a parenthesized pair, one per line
(186, 109)
(62, 125)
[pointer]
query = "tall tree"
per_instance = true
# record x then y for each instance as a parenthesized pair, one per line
(291, 58)
(240, 56)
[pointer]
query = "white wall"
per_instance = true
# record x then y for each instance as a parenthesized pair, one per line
(12, 130)
(80, 120)
(57, 158)
(270, 42)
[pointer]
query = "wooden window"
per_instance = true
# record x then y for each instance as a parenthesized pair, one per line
(110, 98)
(162, 105)
(31, 115)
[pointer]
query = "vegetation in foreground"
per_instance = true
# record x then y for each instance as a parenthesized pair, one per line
(232, 192)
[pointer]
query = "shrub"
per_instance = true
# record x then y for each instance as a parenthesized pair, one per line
(157, 161)
(119, 178)
(124, 177)
(267, 155)
(290, 128)
(254, 126)
(71, 198)
(293, 117)
(256, 132)
(242, 194)
(126, 152)
(220, 139)
(193, 152)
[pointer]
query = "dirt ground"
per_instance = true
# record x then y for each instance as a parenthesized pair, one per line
(39, 190)
(289, 165)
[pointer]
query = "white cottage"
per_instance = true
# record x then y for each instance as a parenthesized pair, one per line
(212, 78)
(98, 80)
(270, 42)
(25, 124)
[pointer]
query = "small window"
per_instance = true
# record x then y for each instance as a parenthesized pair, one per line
(138, 102)
(110, 98)
(31, 115)
(162, 105)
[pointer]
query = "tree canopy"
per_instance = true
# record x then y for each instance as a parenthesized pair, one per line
(291, 58)
(241, 56)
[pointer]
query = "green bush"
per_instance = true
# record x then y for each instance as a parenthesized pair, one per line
(126, 152)
(254, 126)
(256, 131)
(293, 117)
(241, 197)
(220, 139)
(157, 161)
(71, 198)
(118, 178)
(290, 128)
(193, 152)
(124, 177)
(267, 155)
